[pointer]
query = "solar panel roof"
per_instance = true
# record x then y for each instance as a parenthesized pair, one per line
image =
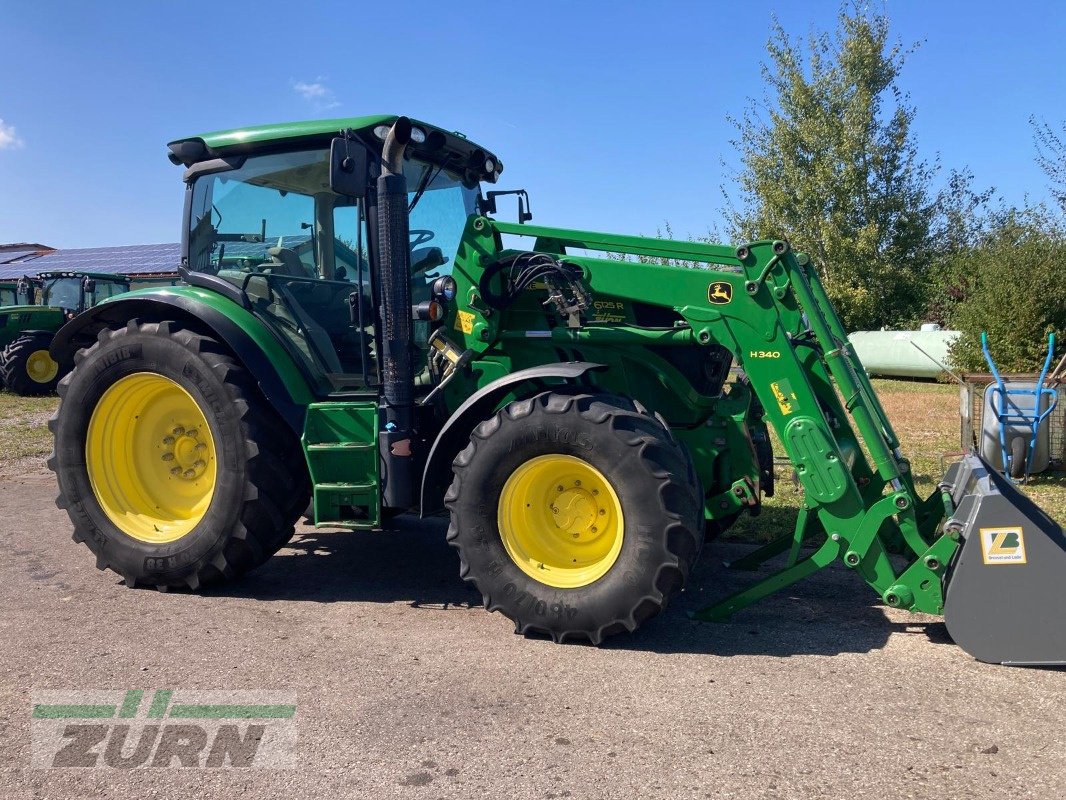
(16, 255)
(137, 259)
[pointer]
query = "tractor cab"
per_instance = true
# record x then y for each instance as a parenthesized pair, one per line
(21, 292)
(291, 226)
(73, 292)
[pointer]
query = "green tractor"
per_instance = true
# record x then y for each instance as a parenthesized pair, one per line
(27, 329)
(359, 329)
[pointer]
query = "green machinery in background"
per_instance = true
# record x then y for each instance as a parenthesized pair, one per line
(45, 304)
(358, 327)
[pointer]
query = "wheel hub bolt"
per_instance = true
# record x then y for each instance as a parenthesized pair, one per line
(603, 512)
(179, 430)
(168, 456)
(559, 488)
(168, 440)
(175, 470)
(187, 473)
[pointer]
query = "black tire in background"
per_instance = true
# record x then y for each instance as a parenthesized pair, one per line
(1019, 453)
(261, 484)
(653, 477)
(26, 368)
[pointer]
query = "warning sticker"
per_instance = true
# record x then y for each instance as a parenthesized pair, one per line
(1003, 545)
(464, 321)
(783, 394)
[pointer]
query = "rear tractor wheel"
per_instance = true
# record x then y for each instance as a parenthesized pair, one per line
(576, 516)
(26, 366)
(171, 465)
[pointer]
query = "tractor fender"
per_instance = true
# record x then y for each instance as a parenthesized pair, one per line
(476, 408)
(250, 341)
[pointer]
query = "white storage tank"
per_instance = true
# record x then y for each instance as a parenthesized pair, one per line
(904, 354)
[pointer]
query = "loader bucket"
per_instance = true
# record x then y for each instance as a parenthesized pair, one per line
(1005, 599)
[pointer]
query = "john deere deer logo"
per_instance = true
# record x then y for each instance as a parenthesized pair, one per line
(1002, 545)
(719, 293)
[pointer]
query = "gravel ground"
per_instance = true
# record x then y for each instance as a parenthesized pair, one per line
(407, 688)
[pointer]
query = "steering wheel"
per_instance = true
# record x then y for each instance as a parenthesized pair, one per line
(421, 236)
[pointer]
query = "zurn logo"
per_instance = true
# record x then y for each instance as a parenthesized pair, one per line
(164, 728)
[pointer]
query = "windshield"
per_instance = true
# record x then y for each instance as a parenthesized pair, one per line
(63, 293)
(67, 292)
(277, 215)
(8, 296)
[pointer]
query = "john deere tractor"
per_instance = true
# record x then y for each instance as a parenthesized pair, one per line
(26, 330)
(359, 327)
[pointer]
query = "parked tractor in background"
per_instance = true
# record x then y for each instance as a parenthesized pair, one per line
(27, 330)
(357, 327)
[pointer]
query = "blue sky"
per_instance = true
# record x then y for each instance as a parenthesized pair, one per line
(611, 114)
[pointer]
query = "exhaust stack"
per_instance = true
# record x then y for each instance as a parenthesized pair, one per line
(394, 256)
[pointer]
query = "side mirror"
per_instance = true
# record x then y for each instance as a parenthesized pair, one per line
(89, 285)
(348, 167)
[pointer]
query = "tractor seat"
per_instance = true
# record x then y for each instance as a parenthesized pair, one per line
(286, 262)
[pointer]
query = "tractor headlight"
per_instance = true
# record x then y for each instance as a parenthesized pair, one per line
(418, 136)
(444, 287)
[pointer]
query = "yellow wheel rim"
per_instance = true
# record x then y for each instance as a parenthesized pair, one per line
(561, 521)
(41, 367)
(150, 457)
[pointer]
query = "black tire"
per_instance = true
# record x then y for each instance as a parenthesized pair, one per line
(261, 484)
(1019, 454)
(16, 365)
(656, 484)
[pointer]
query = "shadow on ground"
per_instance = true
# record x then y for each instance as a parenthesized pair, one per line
(832, 612)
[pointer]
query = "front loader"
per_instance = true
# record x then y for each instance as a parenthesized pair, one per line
(356, 328)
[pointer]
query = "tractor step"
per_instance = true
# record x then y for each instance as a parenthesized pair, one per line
(1005, 595)
(340, 442)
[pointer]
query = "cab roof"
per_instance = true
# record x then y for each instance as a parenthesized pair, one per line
(66, 273)
(320, 131)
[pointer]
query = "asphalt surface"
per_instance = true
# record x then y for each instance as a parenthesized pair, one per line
(407, 688)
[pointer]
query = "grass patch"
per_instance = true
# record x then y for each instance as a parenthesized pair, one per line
(925, 416)
(24, 436)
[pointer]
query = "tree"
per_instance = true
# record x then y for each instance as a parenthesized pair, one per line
(1051, 157)
(829, 162)
(1010, 285)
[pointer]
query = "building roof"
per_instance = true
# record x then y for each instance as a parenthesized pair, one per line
(22, 251)
(139, 259)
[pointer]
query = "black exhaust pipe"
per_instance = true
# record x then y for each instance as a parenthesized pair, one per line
(394, 268)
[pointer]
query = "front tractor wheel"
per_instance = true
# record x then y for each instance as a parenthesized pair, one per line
(575, 516)
(171, 465)
(26, 366)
